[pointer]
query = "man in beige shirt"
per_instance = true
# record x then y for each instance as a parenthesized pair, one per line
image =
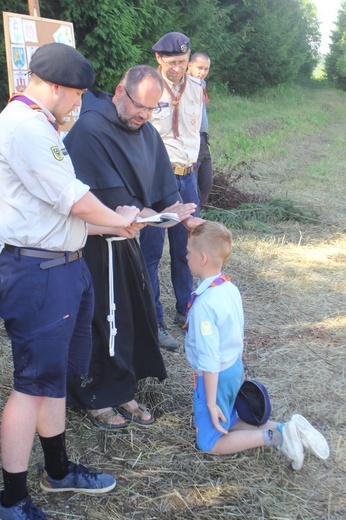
(46, 293)
(178, 123)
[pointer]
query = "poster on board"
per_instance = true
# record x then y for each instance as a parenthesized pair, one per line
(23, 35)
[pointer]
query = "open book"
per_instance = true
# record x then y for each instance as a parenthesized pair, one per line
(160, 219)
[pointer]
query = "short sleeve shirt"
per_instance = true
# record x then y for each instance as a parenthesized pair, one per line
(215, 334)
(38, 186)
(182, 150)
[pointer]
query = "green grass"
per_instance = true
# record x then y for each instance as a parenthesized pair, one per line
(242, 129)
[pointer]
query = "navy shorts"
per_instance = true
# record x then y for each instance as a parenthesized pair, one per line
(48, 315)
(229, 383)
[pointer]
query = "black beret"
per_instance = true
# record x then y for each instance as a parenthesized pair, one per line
(63, 65)
(172, 44)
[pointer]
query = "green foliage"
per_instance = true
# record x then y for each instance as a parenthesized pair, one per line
(116, 34)
(336, 59)
(253, 44)
(207, 24)
(9, 6)
(278, 42)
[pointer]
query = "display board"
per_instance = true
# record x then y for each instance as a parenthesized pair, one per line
(23, 35)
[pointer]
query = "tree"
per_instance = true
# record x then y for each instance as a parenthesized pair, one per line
(336, 59)
(11, 6)
(206, 22)
(277, 40)
(116, 34)
(253, 44)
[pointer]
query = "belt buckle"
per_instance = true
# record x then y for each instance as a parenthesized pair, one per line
(179, 170)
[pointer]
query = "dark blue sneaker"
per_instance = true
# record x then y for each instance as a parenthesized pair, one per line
(78, 479)
(23, 510)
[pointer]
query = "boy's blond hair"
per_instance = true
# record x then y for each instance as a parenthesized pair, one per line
(214, 239)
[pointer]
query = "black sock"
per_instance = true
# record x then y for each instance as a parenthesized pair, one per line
(15, 488)
(55, 456)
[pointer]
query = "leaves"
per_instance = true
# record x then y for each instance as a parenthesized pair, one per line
(253, 44)
(336, 59)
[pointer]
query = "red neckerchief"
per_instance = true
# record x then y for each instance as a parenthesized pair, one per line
(205, 95)
(218, 281)
(175, 102)
(34, 106)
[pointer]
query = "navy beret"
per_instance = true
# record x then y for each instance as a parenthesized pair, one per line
(172, 44)
(63, 65)
(253, 403)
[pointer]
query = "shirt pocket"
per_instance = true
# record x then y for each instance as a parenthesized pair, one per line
(192, 116)
(163, 120)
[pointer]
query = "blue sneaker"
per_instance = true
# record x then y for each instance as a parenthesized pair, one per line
(23, 510)
(79, 479)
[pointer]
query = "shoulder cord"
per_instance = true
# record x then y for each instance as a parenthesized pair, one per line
(33, 106)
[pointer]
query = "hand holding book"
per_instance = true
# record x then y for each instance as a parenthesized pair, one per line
(160, 219)
(177, 212)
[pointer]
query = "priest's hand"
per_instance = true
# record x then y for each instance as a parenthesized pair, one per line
(182, 210)
(192, 222)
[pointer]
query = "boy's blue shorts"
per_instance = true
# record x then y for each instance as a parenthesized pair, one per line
(229, 383)
(48, 314)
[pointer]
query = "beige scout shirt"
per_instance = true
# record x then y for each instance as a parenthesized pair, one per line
(183, 150)
(38, 185)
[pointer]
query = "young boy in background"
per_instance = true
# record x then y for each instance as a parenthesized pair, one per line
(214, 346)
(198, 67)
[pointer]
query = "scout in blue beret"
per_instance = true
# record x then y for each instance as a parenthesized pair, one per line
(172, 44)
(181, 104)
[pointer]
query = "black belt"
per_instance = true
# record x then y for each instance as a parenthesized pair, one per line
(181, 170)
(56, 257)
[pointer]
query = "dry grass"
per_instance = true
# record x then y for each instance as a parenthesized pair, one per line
(293, 288)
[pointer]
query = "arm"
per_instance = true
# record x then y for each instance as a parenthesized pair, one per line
(92, 211)
(210, 383)
(128, 232)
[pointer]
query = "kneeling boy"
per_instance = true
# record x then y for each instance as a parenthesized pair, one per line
(214, 346)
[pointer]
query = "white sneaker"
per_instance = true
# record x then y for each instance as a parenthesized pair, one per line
(291, 444)
(311, 438)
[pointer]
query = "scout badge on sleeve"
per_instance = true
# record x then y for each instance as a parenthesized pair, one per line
(253, 403)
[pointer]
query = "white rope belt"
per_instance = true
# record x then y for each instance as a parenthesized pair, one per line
(111, 316)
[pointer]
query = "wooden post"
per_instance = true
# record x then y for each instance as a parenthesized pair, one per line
(34, 8)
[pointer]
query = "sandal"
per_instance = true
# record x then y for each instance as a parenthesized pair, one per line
(101, 419)
(135, 414)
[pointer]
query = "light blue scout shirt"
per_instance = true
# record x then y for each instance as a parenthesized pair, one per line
(215, 334)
